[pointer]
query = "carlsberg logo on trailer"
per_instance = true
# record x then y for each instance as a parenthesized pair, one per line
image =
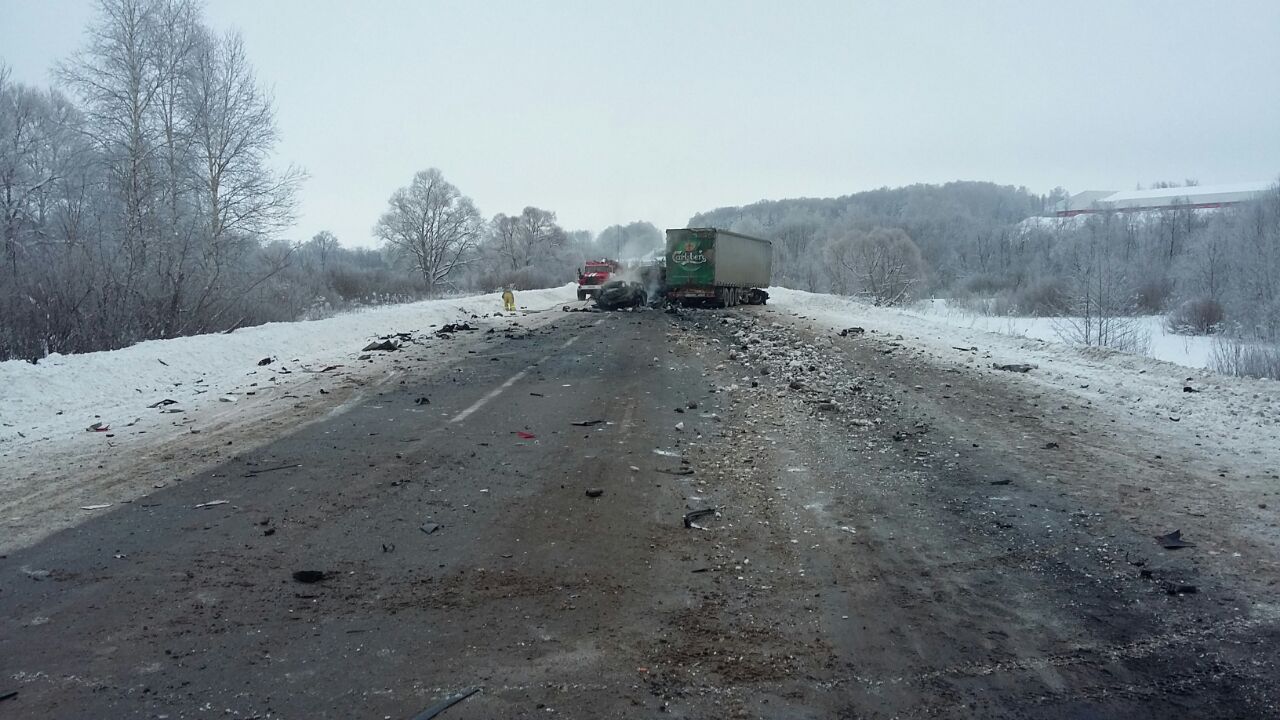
(689, 256)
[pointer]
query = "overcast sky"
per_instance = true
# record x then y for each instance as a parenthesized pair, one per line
(608, 112)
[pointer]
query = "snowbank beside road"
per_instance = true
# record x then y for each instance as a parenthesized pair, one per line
(1186, 350)
(63, 395)
(1234, 418)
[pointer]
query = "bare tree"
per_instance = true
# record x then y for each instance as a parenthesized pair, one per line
(1102, 304)
(536, 236)
(433, 223)
(503, 239)
(883, 264)
(122, 75)
(323, 245)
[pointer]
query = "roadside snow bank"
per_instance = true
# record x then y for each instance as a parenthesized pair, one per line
(1233, 417)
(1185, 350)
(65, 394)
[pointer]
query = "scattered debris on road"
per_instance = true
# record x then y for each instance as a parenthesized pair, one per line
(95, 507)
(852, 331)
(309, 576)
(211, 503)
(430, 527)
(1173, 541)
(449, 329)
(422, 401)
(1014, 367)
(385, 345)
(266, 361)
(98, 427)
(586, 423)
(693, 516)
(1173, 588)
(445, 704)
(272, 469)
(676, 471)
(525, 435)
(161, 403)
(595, 492)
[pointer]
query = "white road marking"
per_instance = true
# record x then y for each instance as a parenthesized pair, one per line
(510, 381)
(491, 395)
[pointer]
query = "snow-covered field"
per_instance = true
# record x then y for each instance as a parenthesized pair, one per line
(1188, 351)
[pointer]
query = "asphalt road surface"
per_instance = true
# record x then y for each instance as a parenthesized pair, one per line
(889, 541)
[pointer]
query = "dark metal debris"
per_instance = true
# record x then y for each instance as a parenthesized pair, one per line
(430, 527)
(1173, 541)
(386, 345)
(1179, 588)
(1014, 367)
(309, 576)
(259, 471)
(594, 492)
(695, 515)
(587, 423)
(445, 704)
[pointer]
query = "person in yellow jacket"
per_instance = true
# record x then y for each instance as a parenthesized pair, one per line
(508, 300)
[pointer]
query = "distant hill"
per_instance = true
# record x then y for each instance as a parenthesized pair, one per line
(951, 223)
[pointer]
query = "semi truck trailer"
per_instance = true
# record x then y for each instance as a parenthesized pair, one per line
(709, 266)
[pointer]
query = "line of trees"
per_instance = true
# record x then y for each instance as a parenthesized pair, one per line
(922, 237)
(441, 234)
(138, 201)
(139, 208)
(990, 245)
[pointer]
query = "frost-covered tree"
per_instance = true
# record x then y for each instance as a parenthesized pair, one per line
(882, 264)
(433, 224)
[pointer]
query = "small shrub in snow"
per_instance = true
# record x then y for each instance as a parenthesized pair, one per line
(1233, 356)
(1124, 333)
(1202, 316)
(1041, 298)
(1153, 294)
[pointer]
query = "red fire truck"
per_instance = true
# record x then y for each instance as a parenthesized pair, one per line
(595, 274)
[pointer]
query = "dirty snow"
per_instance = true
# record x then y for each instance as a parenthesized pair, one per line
(1234, 420)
